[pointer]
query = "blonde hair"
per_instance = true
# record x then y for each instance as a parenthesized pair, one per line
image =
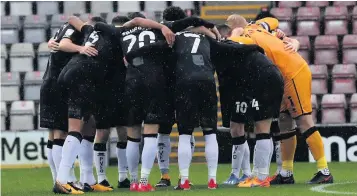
(235, 21)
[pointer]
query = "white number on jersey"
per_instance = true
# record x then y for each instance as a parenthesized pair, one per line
(93, 38)
(255, 104)
(142, 35)
(241, 107)
(196, 43)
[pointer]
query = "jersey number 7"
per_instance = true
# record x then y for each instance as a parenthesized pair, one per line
(196, 43)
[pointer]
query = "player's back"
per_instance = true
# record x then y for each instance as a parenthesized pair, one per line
(289, 63)
(193, 57)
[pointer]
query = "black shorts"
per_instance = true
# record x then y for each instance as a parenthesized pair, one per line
(196, 104)
(53, 106)
(145, 95)
(258, 98)
(117, 95)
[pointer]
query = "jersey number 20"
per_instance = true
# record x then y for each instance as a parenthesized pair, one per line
(141, 37)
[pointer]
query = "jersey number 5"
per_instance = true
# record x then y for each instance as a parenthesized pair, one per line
(196, 43)
(142, 35)
(93, 38)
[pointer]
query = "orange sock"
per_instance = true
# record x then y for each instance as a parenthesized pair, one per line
(316, 146)
(288, 147)
(165, 176)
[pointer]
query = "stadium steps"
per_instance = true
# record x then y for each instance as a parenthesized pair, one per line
(218, 11)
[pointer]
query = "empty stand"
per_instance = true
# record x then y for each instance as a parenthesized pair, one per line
(314, 107)
(183, 4)
(344, 79)
(10, 86)
(3, 116)
(85, 17)
(354, 20)
(57, 21)
(317, 3)
(353, 108)
(151, 6)
(22, 113)
(286, 27)
(326, 48)
(319, 79)
(101, 7)
(128, 6)
(305, 47)
(336, 21)
(74, 7)
(10, 26)
(42, 56)
(344, 3)
(311, 28)
(32, 85)
(35, 29)
(333, 109)
(20, 8)
(47, 7)
(291, 4)
(349, 45)
(21, 57)
(282, 13)
(3, 58)
(308, 21)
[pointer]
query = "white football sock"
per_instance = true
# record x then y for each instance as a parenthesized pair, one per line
(279, 161)
(163, 152)
(193, 144)
(70, 152)
(184, 156)
(271, 151)
(237, 158)
(211, 151)
(72, 175)
(133, 157)
(86, 162)
(122, 163)
(246, 160)
(261, 157)
(51, 163)
(57, 155)
(100, 161)
(255, 169)
(148, 157)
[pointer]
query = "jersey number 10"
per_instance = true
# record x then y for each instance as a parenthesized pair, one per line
(141, 37)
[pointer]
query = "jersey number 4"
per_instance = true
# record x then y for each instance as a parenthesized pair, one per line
(196, 44)
(141, 37)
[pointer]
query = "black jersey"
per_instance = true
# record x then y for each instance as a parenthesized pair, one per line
(59, 59)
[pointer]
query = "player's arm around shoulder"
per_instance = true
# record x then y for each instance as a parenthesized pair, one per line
(203, 30)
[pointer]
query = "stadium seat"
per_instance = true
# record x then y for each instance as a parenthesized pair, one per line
(349, 46)
(353, 108)
(21, 115)
(151, 6)
(10, 86)
(344, 3)
(20, 8)
(326, 47)
(282, 14)
(74, 7)
(3, 116)
(305, 47)
(336, 21)
(315, 107)
(354, 12)
(317, 3)
(35, 29)
(2, 8)
(47, 7)
(336, 13)
(42, 56)
(308, 13)
(3, 58)
(98, 7)
(319, 79)
(57, 21)
(333, 109)
(21, 57)
(183, 4)
(286, 27)
(355, 26)
(311, 28)
(128, 6)
(291, 4)
(10, 26)
(344, 79)
(32, 85)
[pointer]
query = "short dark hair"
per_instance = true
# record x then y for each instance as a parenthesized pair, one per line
(224, 30)
(120, 20)
(173, 13)
(133, 15)
(96, 19)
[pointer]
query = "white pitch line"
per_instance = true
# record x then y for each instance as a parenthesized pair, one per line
(321, 189)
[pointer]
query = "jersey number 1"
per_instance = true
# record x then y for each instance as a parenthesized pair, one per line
(196, 43)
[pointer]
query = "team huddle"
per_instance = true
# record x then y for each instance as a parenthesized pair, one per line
(137, 73)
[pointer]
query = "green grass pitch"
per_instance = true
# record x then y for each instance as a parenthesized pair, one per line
(38, 182)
